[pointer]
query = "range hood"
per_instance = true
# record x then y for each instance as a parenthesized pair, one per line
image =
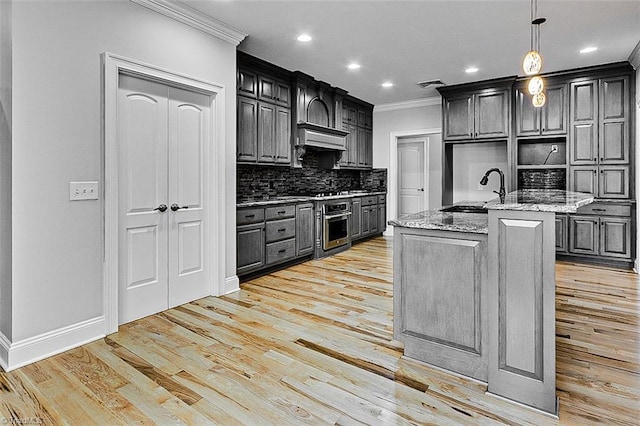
(327, 140)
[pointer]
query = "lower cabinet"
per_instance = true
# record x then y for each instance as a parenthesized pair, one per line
(250, 243)
(271, 235)
(369, 216)
(561, 233)
(600, 231)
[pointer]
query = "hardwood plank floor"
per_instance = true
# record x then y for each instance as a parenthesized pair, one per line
(312, 344)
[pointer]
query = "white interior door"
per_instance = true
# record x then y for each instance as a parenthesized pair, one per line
(163, 197)
(189, 253)
(411, 175)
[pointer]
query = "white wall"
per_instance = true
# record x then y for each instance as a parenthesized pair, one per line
(400, 119)
(5, 168)
(57, 244)
(470, 162)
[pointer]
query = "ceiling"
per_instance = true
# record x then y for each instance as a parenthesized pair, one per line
(410, 41)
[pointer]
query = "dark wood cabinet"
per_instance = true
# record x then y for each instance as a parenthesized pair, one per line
(357, 120)
(614, 120)
(356, 218)
(382, 216)
(274, 133)
(476, 115)
(304, 229)
(247, 132)
(615, 237)
(551, 119)
(273, 90)
(562, 222)
(250, 247)
(584, 122)
(247, 83)
(583, 234)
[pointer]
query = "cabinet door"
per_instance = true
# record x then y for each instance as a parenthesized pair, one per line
(584, 126)
(283, 94)
(247, 83)
(283, 135)
(247, 134)
(615, 237)
(382, 217)
(583, 234)
(266, 132)
(373, 219)
(304, 229)
(614, 182)
(362, 147)
(584, 179)
(267, 89)
(250, 247)
(527, 116)
(356, 218)
(492, 115)
(368, 136)
(561, 233)
(458, 117)
(614, 123)
(554, 112)
(365, 223)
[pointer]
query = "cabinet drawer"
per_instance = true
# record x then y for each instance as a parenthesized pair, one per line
(280, 229)
(281, 251)
(606, 209)
(369, 201)
(382, 199)
(247, 216)
(281, 212)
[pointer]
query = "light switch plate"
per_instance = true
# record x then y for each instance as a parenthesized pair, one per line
(80, 191)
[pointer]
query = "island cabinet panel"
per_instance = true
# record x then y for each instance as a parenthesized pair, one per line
(440, 297)
(521, 307)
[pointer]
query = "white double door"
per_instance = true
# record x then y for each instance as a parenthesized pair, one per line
(163, 195)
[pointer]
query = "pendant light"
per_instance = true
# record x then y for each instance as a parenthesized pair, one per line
(532, 63)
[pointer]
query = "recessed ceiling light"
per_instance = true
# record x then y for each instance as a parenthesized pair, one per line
(304, 38)
(353, 66)
(471, 70)
(588, 49)
(387, 84)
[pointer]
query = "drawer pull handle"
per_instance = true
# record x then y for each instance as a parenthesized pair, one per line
(282, 250)
(282, 212)
(248, 216)
(282, 229)
(599, 210)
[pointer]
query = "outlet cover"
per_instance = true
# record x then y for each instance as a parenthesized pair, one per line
(80, 191)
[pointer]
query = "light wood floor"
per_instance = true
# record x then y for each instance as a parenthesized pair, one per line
(313, 345)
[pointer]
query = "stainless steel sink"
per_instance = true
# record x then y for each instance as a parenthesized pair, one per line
(465, 209)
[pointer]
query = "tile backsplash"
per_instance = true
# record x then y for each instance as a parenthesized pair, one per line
(257, 181)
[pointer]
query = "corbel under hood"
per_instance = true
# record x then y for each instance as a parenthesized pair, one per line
(330, 141)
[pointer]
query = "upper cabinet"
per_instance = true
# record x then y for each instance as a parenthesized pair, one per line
(357, 119)
(600, 121)
(476, 113)
(551, 119)
(263, 116)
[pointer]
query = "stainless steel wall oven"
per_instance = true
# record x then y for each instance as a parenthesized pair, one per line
(336, 225)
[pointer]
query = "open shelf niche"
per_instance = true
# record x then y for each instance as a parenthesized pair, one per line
(542, 163)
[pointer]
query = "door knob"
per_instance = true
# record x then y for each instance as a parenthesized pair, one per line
(421, 189)
(175, 207)
(162, 208)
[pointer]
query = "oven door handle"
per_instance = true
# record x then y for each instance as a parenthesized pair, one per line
(336, 216)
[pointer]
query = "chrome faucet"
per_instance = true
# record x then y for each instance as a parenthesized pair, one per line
(485, 179)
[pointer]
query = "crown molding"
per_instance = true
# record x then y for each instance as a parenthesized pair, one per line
(415, 103)
(634, 58)
(195, 19)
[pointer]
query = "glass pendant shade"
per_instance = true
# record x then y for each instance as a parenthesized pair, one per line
(536, 84)
(538, 100)
(532, 63)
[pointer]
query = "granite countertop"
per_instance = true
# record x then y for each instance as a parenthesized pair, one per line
(542, 200)
(284, 199)
(476, 223)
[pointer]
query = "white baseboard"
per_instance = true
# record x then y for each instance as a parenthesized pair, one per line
(21, 353)
(231, 284)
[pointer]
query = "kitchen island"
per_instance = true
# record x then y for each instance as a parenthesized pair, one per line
(475, 293)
